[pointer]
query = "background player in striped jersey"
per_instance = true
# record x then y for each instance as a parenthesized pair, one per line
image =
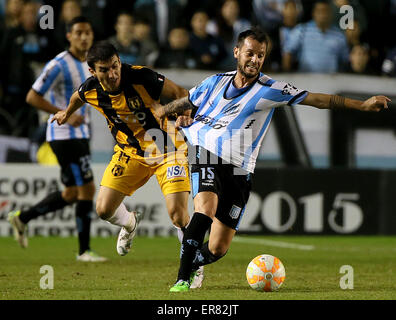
(124, 95)
(70, 143)
(230, 114)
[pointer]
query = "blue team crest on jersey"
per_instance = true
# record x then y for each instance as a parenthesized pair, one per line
(175, 172)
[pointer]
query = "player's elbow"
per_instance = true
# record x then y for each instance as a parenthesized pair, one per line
(30, 97)
(181, 93)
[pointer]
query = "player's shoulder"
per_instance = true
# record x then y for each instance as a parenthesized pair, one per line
(134, 68)
(218, 78)
(135, 73)
(225, 74)
(265, 80)
(56, 62)
(90, 84)
(61, 57)
(273, 84)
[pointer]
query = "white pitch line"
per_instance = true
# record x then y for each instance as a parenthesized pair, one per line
(275, 243)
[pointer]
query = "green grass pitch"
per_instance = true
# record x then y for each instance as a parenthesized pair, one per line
(312, 269)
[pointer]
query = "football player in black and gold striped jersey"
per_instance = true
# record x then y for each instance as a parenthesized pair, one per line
(126, 96)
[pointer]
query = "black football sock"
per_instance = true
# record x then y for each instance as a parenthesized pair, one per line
(193, 238)
(50, 203)
(204, 256)
(83, 220)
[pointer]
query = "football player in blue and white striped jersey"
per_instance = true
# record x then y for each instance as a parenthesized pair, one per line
(51, 93)
(230, 115)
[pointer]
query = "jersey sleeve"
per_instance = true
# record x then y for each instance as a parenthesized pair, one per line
(286, 93)
(87, 85)
(81, 92)
(197, 94)
(47, 78)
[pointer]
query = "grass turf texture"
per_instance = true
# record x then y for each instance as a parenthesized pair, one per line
(149, 270)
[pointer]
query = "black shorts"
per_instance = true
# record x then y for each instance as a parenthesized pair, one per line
(231, 185)
(74, 157)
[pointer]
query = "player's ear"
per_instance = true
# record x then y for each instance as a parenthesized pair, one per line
(68, 36)
(236, 51)
(92, 71)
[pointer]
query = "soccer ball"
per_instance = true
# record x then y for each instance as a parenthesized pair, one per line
(265, 273)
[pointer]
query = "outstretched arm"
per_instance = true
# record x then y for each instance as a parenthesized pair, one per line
(327, 101)
(37, 101)
(63, 116)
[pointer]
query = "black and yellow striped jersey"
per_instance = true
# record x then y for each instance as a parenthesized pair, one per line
(129, 112)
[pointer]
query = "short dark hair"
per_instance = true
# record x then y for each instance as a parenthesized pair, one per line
(255, 33)
(75, 20)
(100, 51)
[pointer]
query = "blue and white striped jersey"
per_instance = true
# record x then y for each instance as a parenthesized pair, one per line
(60, 78)
(234, 129)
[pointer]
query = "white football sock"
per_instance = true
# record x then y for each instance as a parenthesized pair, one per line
(180, 234)
(123, 218)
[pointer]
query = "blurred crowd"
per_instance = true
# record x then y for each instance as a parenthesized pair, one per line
(306, 36)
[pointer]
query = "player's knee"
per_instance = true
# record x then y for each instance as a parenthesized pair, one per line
(103, 211)
(218, 251)
(206, 207)
(180, 220)
(206, 203)
(179, 216)
(70, 194)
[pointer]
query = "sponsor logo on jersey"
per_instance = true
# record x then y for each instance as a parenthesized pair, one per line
(235, 212)
(116, 119)
(175, 172)
(213, 123)
(233, 109)
(289, 89)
